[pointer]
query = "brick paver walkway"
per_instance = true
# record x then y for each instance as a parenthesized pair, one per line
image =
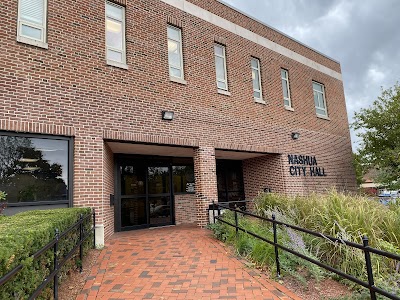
(175, 263)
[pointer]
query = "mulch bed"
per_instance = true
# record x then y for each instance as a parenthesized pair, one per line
(314, 290)
(73, 284)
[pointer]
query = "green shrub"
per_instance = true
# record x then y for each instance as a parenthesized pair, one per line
(339, 215)
(3, 203)
(24, 234)
(346, 217)
(261, 253)
(333, 212)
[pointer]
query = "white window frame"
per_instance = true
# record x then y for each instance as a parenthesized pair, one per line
(111, 62)
(223, 56)
(258, 70)
(325, 115)
(42, 42)
(180, 79)
(286, 80)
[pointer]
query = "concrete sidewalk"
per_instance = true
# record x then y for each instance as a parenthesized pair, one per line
(182, 262)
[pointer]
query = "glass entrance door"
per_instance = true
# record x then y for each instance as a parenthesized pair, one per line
(159, 195)
(145, 195)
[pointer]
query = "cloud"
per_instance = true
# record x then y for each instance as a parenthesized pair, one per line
(376, 75)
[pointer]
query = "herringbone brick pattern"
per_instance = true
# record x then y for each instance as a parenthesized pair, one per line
(175, 263)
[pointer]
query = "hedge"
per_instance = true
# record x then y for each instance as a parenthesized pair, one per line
(24, 234)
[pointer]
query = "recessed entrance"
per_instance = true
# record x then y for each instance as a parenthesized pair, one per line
(146, 198)
(145, 190)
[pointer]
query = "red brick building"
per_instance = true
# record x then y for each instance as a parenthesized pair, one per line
(149, 110)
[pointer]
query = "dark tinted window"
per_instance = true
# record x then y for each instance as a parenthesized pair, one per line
(230, 181)
(183, 179)
(133, 179)
(34, 169)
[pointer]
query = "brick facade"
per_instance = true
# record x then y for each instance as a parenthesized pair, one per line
(69, 90)
(261, 173)
(185, 211)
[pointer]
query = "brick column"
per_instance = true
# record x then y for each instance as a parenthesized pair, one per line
(205, 173)
(88, 177)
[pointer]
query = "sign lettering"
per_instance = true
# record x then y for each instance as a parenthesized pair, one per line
(305, 165)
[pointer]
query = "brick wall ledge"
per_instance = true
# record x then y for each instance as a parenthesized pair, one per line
(147, 138)
(35, 127)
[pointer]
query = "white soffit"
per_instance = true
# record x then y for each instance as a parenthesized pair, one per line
(207, 16)
(236, 155)
(143, 149)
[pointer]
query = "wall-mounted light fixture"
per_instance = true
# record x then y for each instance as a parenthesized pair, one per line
(167, 115)
(295, 135)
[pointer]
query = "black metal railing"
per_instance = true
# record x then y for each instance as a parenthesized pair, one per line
(217, 207)
(58, 262)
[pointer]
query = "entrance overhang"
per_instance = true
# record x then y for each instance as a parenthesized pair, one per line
(150, 149)
(237, 155)
(177, 151)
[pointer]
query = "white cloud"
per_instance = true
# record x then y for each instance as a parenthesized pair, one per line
(339, 14)
(376, 75)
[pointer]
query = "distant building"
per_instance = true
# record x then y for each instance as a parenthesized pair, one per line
(149, 110)
(369, 186)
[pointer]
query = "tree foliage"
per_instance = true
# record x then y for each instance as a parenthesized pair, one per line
(359, 168)
(26, 175)
(379, 127)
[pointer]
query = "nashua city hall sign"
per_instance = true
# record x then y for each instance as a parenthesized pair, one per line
(304, 165)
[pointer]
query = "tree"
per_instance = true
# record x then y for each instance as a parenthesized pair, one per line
(359, 168)
(379, 127)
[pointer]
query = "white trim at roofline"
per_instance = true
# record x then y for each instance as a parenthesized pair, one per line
(207, 16)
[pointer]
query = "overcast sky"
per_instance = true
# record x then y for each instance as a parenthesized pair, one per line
(364, 36)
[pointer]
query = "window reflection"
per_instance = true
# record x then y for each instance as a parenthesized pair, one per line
(230, 181)
(133, 180)
(33, 169)
(183, 179)
(158, 180)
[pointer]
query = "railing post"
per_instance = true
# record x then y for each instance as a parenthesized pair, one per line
(81, 244)
(236, 221)
(278, 267)
(55, 279)
(213, 208)
(94, 229)
(369, 268)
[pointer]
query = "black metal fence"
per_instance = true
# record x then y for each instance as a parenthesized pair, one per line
(58, 262)
(240, 209)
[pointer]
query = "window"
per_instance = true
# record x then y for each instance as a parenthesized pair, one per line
(220, 67)
(34, 170)
(32, 22)
(230, 181)
(183, 179)
(175, 57)
(285, 88)
(319, 99)
(115, 34)
(256, 75)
